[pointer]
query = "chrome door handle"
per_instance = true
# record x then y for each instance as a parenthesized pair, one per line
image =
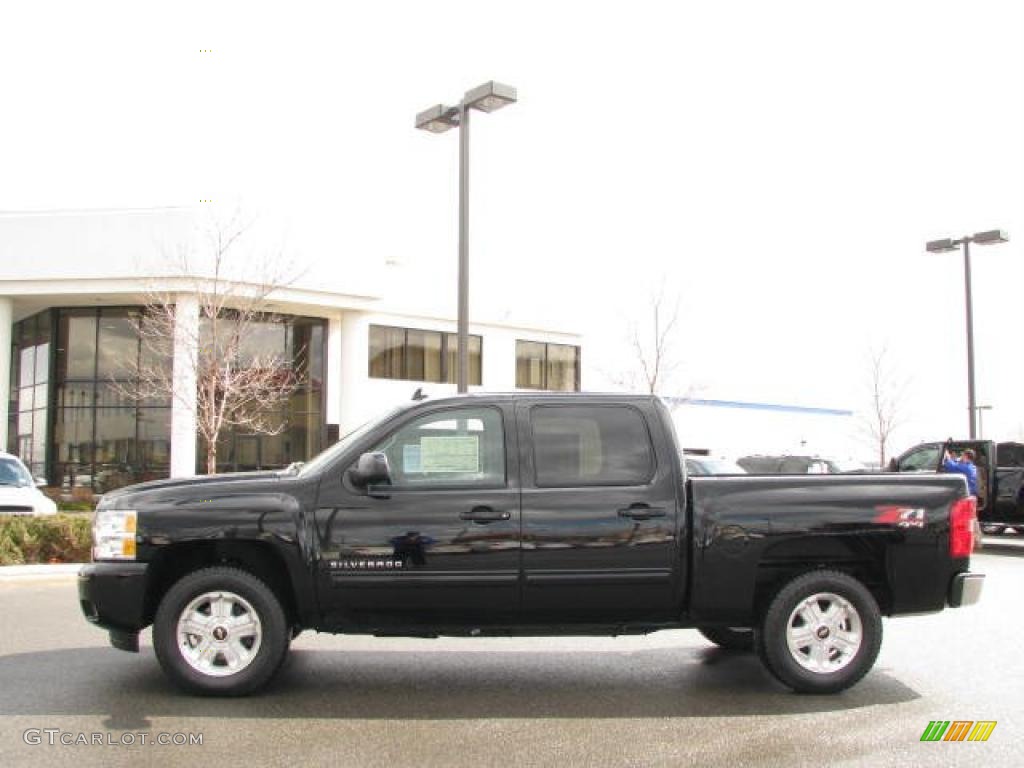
(641, 511)
(485, 515)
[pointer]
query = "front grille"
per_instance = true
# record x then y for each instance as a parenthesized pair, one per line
(13, 509)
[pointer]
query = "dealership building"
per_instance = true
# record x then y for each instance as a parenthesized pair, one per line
(73, 284)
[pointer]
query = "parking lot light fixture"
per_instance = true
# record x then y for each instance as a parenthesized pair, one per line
(489, 97)
(941, 246)
(437, 119)
(988, 237)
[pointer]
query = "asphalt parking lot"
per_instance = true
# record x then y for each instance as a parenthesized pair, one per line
(666, 699)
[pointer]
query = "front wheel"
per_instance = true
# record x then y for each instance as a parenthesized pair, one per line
(821, 632)
(220, 631)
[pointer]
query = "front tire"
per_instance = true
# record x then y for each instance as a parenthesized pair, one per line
(730, 638)
(821, 633)
(220, 631)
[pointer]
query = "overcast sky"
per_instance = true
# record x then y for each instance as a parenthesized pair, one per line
(779, 166)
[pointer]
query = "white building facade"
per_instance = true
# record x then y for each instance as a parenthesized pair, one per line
(72, 284)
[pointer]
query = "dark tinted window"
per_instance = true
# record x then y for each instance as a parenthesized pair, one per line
(590, 445)
(1010, 455)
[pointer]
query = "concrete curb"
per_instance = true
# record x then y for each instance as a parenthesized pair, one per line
(38, 571)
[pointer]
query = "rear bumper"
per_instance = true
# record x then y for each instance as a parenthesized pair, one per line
(965, 589)
(113, 595)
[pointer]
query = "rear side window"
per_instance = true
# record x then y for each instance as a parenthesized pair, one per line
(583, 445)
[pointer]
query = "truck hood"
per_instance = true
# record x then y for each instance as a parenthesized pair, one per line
(187, 488)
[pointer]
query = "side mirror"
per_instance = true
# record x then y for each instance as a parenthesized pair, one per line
(371, 469)
(40, 482)
(893, 466)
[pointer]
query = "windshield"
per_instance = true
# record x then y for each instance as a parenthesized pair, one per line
(13, 473)
(327, 456)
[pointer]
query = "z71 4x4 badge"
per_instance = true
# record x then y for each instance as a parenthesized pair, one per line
(902, 517)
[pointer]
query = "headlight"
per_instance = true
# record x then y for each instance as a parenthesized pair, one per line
(113, 534)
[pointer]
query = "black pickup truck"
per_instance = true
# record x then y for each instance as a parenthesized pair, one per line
(1000, 477)
(523, 514)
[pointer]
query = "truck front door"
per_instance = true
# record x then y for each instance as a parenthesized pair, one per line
(439, 545)
(599, 513)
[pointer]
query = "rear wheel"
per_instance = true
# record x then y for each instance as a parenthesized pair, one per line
(220, 631)
(732, 638)
(821, 632)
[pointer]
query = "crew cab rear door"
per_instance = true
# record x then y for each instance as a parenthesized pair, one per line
(599, 507)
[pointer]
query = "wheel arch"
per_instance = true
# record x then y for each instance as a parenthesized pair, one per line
(258, 558)
(859, 557)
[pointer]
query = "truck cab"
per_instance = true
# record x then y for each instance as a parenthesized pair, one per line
(1000, 477)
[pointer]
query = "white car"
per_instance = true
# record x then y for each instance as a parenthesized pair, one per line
(18, 492)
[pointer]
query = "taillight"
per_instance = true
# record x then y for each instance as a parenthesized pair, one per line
(961, 527)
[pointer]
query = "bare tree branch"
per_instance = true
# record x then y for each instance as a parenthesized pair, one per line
(237, 386)
(653, 348)
(886, 401)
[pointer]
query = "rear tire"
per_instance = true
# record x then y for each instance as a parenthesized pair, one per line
(821, 633)
(220, 632)
(730, 638)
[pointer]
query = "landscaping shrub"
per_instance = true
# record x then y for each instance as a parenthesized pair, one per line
(61, 538)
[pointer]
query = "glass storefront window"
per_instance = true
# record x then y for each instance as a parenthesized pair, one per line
(76, 394)
(475, 359)
(26, 367)
(387, 348)
(547, 366)
(100, 436)
(154, 441)
(76, 344)
(412, 354)
(117, 351)
(29, 396)
(529, 365)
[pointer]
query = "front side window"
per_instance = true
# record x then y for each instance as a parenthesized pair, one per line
(576, 446)
(458, 447)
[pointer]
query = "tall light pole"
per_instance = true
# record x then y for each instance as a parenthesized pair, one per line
(488, 97)
(981, 421)
(944, 246)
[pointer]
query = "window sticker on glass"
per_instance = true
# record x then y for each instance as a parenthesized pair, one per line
(411, 458)
(450, 454)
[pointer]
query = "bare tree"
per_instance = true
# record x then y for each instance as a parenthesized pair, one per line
(653, 345)
(887, 395)
(238, 385)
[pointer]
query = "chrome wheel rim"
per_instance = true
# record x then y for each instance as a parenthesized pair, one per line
(824, 633)
(219, 634)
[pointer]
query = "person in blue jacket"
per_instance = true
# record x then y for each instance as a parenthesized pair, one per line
(965, 466)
